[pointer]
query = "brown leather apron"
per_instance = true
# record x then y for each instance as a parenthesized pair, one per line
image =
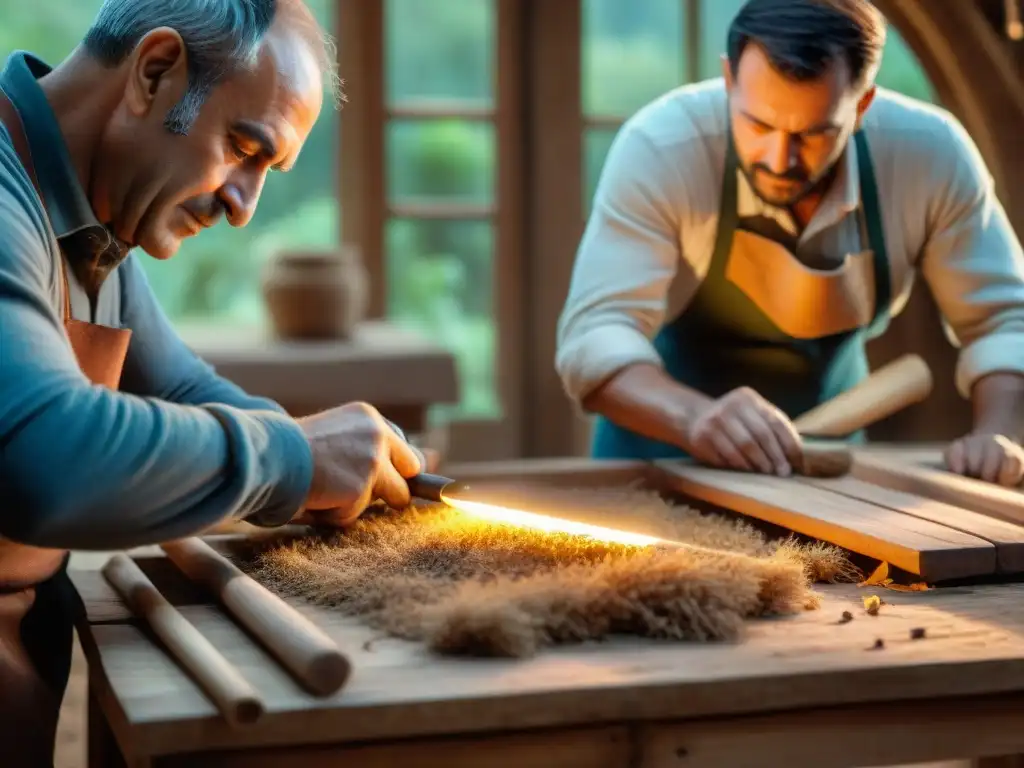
(36, 597)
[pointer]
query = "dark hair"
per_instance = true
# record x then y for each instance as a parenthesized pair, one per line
(220, 37)
(803, 38)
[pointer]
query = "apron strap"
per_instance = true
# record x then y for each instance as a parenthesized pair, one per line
(876, 230)
(728, 208)
(12, 120)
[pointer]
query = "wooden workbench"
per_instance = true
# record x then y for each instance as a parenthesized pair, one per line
(803, 690)
(806, 690)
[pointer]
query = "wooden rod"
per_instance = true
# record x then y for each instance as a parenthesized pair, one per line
(231, 693)
(893, 387)
(313, 658)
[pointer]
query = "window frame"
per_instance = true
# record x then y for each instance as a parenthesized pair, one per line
(538, 213)
(365, 209)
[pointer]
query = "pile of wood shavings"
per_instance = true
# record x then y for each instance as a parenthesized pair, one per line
(466, 586)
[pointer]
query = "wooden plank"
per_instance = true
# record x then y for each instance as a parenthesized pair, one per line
(567, 473)
(985, 498)
(1007, 538)
(849, 737)
(974, 646)
(935, 552)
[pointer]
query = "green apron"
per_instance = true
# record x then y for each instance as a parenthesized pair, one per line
(723, 340)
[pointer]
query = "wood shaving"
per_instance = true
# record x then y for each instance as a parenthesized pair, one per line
(880, 578)
(873, 605)
(466, 586)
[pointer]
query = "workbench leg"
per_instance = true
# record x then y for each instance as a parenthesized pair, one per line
(1006, 761)
(101, 746)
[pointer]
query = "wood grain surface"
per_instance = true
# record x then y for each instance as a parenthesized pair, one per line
(974, 645)
(1007, 538)
(932, 550)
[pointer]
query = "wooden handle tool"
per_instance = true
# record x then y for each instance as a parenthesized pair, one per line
(825, 461)
(903, 382)
(230, 692)
(313, 658)
(893, 387)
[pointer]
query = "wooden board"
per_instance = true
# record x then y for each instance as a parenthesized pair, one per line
(974, 646)
(565, 473)
(892, 471)
(1008, 539)
(935, 552)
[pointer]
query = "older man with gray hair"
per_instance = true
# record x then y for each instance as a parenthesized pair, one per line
(112, 433)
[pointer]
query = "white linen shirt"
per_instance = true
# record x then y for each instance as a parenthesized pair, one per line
(650, 237)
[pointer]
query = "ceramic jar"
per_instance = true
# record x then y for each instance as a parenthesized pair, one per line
(316, 294)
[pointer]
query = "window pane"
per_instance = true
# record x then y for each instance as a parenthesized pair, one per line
(214, 276)
(440, 283)
(632, 53)
(715, 18)
(596, 143)
(449, 159)
(439, 48)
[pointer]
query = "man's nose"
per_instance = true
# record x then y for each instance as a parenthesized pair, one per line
(780, 156)
(239, 201)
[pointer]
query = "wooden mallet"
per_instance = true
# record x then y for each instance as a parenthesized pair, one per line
(901, 383)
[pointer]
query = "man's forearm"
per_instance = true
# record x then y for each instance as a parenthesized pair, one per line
(644, 399)
(998, 401)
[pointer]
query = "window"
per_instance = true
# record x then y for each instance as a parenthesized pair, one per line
(440, 163)
(216, 276)
(631, 54)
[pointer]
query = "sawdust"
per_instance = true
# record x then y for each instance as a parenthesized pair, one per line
(466, 586)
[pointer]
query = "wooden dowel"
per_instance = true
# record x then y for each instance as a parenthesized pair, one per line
(891, 388)
(313, 658)
(230, 692)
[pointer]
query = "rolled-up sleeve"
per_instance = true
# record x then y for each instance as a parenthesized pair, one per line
(973, 264)
(626, 261)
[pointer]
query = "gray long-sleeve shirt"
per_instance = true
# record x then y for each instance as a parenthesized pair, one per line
(84, 467)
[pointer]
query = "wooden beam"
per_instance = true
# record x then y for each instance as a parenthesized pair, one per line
(610, 122)
(440, 210)
(934, 552)
(440, 109)
(360, 35)
(556, 170)
(692, 40)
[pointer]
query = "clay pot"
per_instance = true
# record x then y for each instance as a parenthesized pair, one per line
(316, 294)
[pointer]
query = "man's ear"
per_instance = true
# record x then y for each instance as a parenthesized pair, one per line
(157, 71)
(864, 103)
